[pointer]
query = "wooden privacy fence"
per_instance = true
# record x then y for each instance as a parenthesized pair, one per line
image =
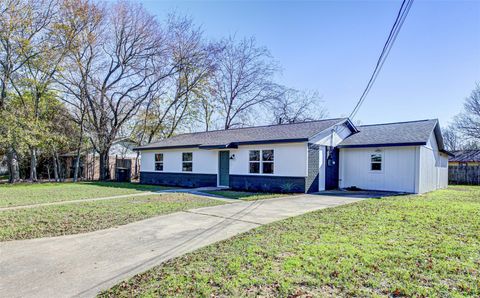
(464, 175)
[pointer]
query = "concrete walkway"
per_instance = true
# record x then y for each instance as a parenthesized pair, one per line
(193, 191)
(82, 265)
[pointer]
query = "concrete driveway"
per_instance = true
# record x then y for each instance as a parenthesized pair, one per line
(82, 265)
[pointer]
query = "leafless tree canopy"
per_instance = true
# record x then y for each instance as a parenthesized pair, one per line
(468, 122)
(114, 70)
(243, 80)
(297, 106)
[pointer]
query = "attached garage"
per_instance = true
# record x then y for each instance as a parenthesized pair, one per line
(404, 157)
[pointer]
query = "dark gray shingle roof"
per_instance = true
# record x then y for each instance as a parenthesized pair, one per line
(258, 134)
(399, 133)
(465, 156)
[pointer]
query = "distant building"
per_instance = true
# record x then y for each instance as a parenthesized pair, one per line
(464, 167)
(465, 158)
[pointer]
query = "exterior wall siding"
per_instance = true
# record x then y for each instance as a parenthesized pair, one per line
(204, 161)
(398, 173)
(433, 167)
(312, 179)
(178, 179)
(290, 159)
(265, 183)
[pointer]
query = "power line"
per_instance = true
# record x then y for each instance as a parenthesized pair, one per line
(392, 36)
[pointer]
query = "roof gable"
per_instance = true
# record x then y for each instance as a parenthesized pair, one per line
(412, 133)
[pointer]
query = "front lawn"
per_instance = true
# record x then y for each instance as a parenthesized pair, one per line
(28, 193)
(243, 195)
(423, 246)
(90, 216)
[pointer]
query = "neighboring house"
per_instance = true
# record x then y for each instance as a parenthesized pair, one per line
(121, 154)
(303, 157)
(464, 167)
(465, 158)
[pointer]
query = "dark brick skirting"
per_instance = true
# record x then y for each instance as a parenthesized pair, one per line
(313, 168)
(178, 179)
(265, 183)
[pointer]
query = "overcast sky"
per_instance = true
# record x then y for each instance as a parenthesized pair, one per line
(332, 47)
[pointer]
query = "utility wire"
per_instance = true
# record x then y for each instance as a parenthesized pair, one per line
(392, 36)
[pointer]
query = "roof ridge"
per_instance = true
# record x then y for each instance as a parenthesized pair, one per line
(400, 122)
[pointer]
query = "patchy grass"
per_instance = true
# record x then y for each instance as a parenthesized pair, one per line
(82, 217)
(422, 246)
(27, 193)
(246, 196)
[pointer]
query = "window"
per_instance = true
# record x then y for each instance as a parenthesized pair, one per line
(254, 158)
(376, 162)
(267, 161)
(158, 161)
(261, 161)
(187, 161)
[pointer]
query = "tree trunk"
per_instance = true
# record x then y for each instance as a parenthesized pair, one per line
(77, 166)
(13, 168)
(55, 168)
(33, 165)
(104, 165)
(137, 158)
(59, 167)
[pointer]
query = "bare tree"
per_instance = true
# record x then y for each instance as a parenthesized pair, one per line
(243, 80)
(468, 122)
(176, 102)
(123, 61)
(452, 139)
(297, 106)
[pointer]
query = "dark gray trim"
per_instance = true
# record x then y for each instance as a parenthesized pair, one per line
(313, 171)
(183, 179)
(266, 183)
(383, 145)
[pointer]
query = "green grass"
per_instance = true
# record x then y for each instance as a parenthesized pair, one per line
(246, 196)
(422, 246)
(3, 177)
(90, 216)
(27, 194)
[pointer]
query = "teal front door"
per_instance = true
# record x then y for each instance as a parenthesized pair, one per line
(224, 168)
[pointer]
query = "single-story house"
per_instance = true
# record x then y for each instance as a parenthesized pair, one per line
(303, 157)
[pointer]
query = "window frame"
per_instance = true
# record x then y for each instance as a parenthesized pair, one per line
(381, 162)
(187, 162)
(261, 162)
(160, 162)
(272, 162)
(258, 162)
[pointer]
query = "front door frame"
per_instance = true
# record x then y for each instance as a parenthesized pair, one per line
(219, 167)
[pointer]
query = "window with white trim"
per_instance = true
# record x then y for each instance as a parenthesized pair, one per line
(187, 161)
(261, 161)
(158, 161)
(376, 161)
